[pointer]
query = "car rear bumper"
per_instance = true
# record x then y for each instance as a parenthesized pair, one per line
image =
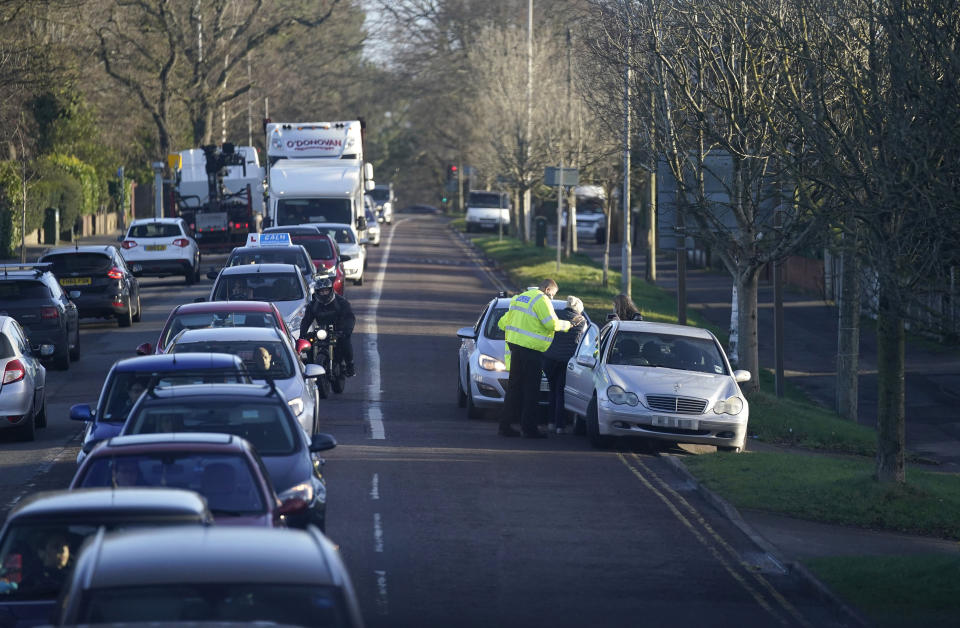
(101, 305)
(160, 268)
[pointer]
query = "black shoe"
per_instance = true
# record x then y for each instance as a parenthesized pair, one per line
(534, 434)
(349, 371)
(508, 431)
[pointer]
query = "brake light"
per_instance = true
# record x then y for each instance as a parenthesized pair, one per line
(128, 244)
(192, 226)
(49, 313)
(14, 371)
(181, 242)
(115, 273)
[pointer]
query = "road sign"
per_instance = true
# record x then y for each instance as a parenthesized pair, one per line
(552, 176)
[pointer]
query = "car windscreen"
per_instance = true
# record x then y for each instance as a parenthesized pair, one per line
(268, 256)
(26, 289)
(342, 235)
(268, 358)
(486, 199)
(263, 424)
(225, 480)
(265, 602)
(317, 246)
(259, 287)
(79, 263)
(155, 230)
(299, 211)
(201, 320)
(125, 387)
(632, 348)
(380, 194)
(491, 330)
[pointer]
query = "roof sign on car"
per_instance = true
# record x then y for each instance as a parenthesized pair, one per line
(269, 239)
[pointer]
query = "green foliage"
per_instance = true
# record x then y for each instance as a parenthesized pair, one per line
(86, 177)
(11, 198)
(56, 187)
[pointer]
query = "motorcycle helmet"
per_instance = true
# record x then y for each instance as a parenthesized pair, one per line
(323, 290)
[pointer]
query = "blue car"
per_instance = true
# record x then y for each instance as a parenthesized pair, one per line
(128, 378)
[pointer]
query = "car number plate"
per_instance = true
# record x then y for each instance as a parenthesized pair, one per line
(75, 281)
(672, 421)
(544, 385)
(156, 247)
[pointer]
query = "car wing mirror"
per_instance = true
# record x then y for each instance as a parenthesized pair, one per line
(587, 360)
(741, 376)
(145, 349)
(81, 412)
(344, 258)
(322, 442)
(466, 333)
(212, 273)
(313, 371)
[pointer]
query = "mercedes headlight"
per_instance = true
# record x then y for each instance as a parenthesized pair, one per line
(731, 405)
(619, 396)
(296, 405)
(489, 363)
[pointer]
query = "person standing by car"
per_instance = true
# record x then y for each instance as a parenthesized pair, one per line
(329, 308)
(556, 357)
(625, 309)
(528, 328)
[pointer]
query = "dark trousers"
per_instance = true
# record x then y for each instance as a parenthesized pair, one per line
(523, 389)
(556, 373)
(344, 349)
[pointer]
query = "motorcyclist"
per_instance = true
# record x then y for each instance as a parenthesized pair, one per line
(328, 308)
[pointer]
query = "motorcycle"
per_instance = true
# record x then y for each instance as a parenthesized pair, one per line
(319, 347)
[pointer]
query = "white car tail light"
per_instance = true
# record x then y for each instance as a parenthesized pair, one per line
(13, 372)
(128, 244)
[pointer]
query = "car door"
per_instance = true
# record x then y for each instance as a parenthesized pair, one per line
(467, 347)
(36, 373)
(133, 285)
(70, 316)
(578, 389)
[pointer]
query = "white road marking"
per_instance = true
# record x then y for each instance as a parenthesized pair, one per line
(381, 591)
(375, 486)
(377, 533)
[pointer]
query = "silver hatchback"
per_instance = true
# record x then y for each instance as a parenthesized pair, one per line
(23, 405)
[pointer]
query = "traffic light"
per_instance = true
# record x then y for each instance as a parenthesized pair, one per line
(451, 172)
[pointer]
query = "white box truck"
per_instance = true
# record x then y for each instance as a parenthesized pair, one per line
(316, 173)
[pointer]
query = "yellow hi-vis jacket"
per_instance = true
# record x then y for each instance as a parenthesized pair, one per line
(530, 322)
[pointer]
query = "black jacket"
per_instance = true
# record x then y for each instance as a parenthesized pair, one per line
(565, 342)
(337, 313)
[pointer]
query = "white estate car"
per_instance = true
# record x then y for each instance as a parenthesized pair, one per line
(351, 245)
(658, 381)
(159, 247)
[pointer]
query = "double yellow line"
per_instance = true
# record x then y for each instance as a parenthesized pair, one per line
(753, 582)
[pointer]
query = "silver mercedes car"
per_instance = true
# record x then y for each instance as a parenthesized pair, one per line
(658, 381)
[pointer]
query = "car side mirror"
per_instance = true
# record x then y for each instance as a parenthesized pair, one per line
(312, 371)
(322, 442)
(741, 376)
(466, 333)
(81, 412)
(212, 273)
(145, 349)
(344, 258)
(587, 360)
(200, 299)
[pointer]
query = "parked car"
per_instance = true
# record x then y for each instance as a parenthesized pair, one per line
(218, 575)
(296, 380)
(352, 249)
(257, 413)
(128, 378)
(160, 247)
(482, 376)
(98, 280)
(372, 231)
(656, 381)
(23, 401)
(31, 294)
(216, 314)
(323, 251)
(224, 468)
(254, 252)
(43, 533)
(280, 284)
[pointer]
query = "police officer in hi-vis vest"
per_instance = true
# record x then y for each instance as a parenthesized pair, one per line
(528, 327)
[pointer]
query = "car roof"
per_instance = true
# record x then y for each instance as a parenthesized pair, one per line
(108, 502)
(294, 230)
(665, 328)
(106, 249)
(259, 391)
(215, 555)
(504, 302)
(332, 225)
(162, 441)
(172, 362)
(225, 306)
(253, 269)
(256, 334)
(141, 221)
(245, 249)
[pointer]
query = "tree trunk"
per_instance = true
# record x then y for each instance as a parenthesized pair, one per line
(891, 422)
(848, 336)
(748, 347)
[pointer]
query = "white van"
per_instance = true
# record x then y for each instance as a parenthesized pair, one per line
(487, 210)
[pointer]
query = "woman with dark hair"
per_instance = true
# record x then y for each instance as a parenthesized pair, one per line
(625, 310)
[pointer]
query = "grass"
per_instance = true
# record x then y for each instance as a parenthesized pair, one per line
(896, 584)
(825, 473)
